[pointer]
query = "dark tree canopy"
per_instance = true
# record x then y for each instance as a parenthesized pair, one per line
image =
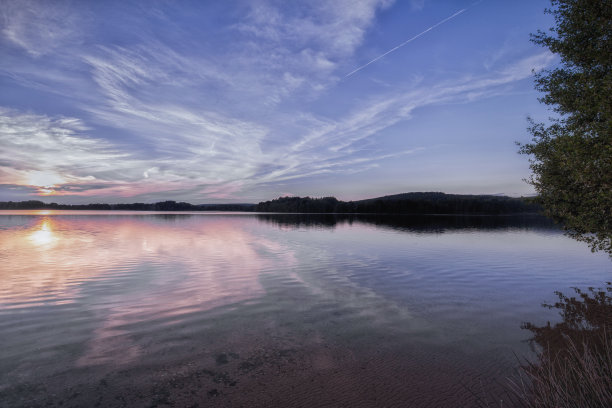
(571, 158)
(407, 203)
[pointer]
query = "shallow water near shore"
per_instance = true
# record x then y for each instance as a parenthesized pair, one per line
(211, 309)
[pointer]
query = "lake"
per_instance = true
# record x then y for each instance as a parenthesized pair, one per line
(142, 309)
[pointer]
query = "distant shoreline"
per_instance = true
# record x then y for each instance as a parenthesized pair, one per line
(431, 203)
(188, 212)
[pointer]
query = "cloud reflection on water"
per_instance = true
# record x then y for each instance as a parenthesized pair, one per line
(133, 269)
(129, 299)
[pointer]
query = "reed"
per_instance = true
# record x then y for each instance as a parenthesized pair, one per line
(573, 364)
(573, 367)
(575, 375)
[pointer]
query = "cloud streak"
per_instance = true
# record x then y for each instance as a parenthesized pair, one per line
(405, 43)
(204, 153)
(185, 115)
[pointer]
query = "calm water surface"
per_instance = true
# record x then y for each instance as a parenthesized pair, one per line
(150, 309)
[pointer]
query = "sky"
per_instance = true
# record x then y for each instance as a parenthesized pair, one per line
(244, 101)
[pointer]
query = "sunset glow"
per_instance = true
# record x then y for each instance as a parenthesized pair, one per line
(47, 257)
(43, 233)
(247, 101)
(302, 203)
(44, 182)
(45, 179)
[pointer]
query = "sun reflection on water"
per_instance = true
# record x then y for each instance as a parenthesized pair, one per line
(43, 235)
(166, 267)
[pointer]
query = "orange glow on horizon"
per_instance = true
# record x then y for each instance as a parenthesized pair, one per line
(51, 255)
(45, 192)
(45, 182)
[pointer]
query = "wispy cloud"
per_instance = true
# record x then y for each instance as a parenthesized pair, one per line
(308, 40)
(385, 110)
(42, 152)
(38, 30)
(408, 41)
(167, 114)
(219, 155)
(49, 139)
(335, 28)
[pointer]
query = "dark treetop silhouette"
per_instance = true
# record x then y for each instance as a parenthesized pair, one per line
(407, 203)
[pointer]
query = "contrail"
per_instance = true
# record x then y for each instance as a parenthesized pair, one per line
(405, 42)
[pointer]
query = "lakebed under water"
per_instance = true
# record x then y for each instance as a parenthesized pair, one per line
(211, 309)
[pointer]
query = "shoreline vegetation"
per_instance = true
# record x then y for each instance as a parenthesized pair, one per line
(407, 203)
(573, 367)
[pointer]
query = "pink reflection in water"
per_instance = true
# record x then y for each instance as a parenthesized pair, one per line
(133, 269)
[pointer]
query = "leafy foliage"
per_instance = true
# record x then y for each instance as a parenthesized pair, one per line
(571, 159)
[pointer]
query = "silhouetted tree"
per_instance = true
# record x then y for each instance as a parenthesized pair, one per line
(571, 159)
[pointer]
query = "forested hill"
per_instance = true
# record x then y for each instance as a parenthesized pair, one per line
(408, 203)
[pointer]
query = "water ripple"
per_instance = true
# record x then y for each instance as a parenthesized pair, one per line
(259, 308)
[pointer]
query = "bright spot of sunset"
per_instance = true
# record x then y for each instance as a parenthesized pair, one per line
(45, 181)
(44, 234)
(350, 98)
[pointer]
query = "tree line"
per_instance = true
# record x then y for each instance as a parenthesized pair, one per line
(159, 206)
(409, 203)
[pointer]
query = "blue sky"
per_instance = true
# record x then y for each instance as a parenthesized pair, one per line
(242, 101)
